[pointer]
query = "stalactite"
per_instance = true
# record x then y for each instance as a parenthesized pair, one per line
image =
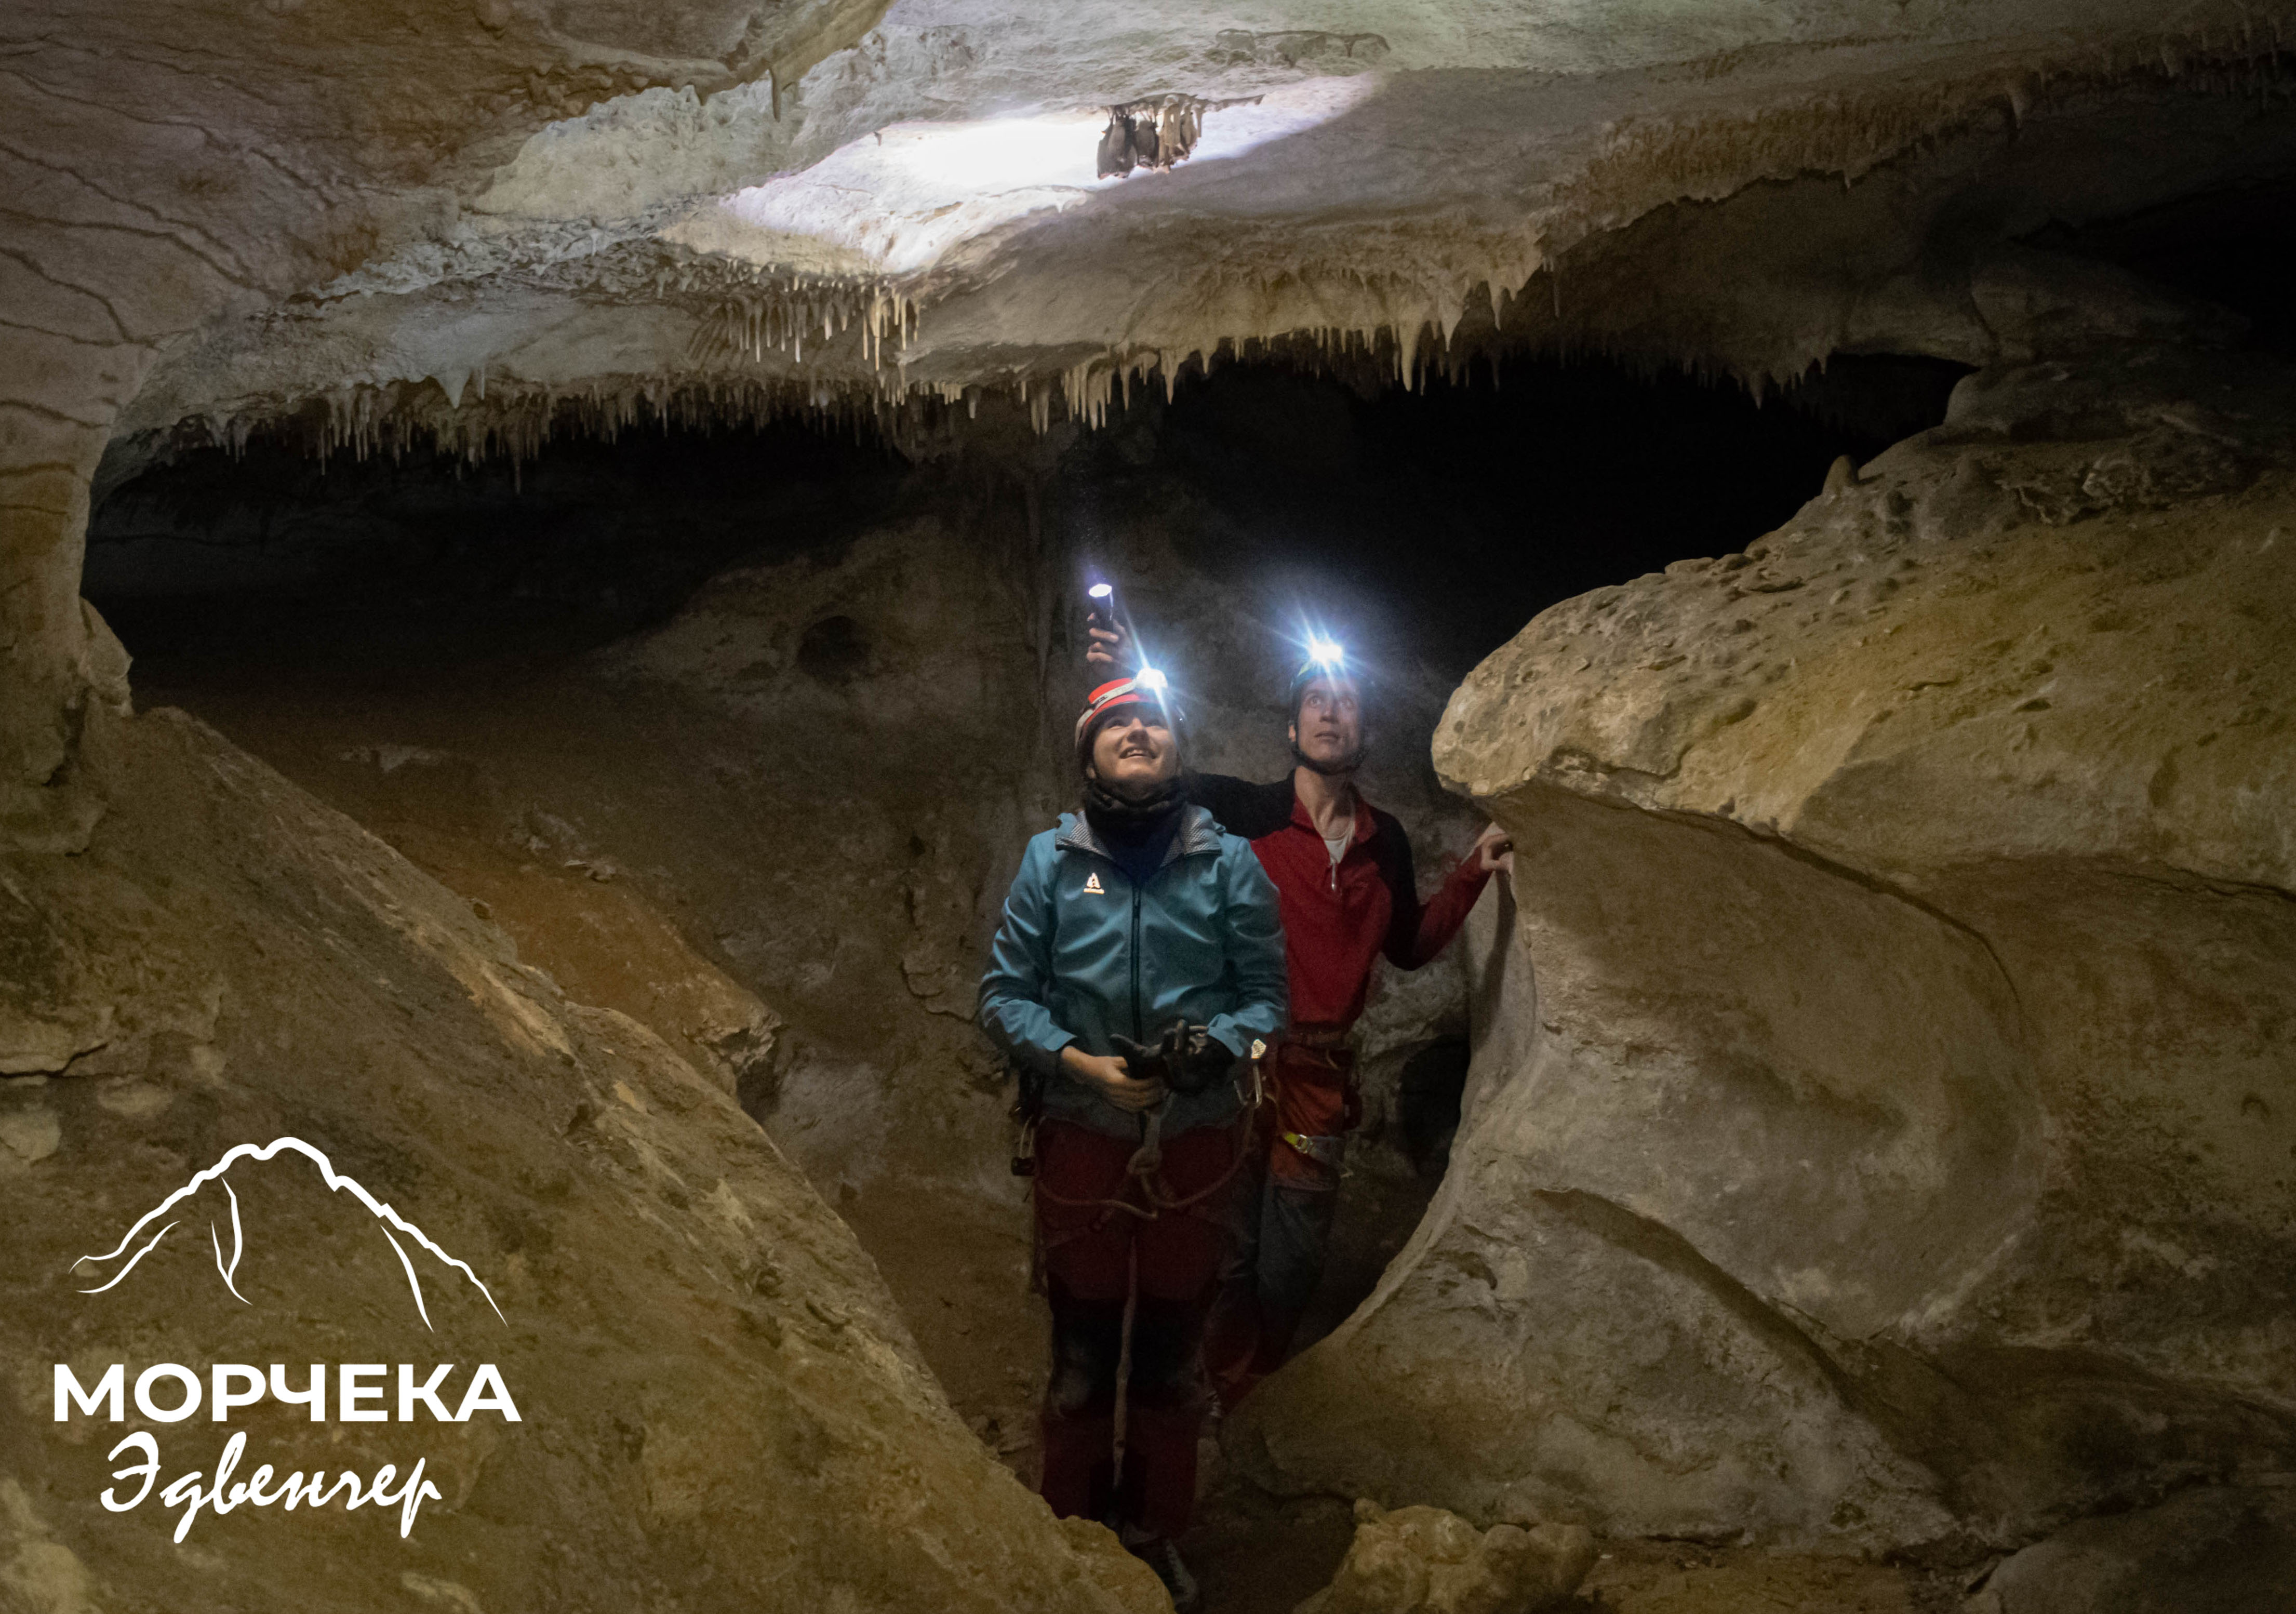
(780, 313)
(1366, 321)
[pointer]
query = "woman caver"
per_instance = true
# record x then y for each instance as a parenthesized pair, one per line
(1140, 959)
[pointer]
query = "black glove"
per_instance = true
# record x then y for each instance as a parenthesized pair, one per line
(1141, 1064)
(1194, 1059)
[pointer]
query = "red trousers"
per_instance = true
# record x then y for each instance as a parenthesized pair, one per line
(1094, 1255)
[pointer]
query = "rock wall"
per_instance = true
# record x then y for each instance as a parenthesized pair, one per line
(1890, 1138)
(173, 163)
(719, 1406)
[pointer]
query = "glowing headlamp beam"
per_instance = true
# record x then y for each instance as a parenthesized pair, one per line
(1327, 652)
(1150, 679)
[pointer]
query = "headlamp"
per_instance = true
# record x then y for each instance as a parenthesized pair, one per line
(1150, 679)
(1326, 658)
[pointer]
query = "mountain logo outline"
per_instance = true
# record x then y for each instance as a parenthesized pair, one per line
(1092, 884)
(336, 1181)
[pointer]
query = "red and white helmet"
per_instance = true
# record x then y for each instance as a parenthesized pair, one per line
(1147, 687)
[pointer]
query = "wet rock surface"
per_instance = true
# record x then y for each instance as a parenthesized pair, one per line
(1881, 1134)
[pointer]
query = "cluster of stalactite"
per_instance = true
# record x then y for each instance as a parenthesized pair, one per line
(1433, 329)
(784, 314)
(515, 420)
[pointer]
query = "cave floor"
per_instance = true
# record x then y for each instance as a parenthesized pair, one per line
(1256, 1556)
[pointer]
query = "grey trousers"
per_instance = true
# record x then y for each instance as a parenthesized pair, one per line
(1281, 1260)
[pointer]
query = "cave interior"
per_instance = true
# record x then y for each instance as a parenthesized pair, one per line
(542, 608)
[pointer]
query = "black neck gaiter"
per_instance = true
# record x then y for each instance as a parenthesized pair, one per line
(1136, 833)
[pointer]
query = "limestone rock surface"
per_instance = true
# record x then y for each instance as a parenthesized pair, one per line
(1426, 1561)
(718, 1404)
(1882, 1128)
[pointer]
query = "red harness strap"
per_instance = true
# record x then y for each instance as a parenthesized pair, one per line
(1316, 1106)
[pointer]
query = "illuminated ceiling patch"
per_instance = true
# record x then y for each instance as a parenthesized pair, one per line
(894, 201)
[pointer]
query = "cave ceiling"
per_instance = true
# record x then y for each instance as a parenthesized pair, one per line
(455, 218)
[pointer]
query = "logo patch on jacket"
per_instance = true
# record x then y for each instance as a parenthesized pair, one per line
(1092, 883)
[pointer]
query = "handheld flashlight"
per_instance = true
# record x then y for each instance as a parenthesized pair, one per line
(1099, 607)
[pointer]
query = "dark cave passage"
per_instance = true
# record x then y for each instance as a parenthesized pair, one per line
(2229, 246)
(1470, 506)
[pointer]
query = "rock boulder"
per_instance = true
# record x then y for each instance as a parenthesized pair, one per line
(1426, 1561)
(1882, 1130)
(717, 1403)
(2230, 1550)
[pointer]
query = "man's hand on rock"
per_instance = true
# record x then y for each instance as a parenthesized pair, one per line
(1493, 852)
(1108, 1077)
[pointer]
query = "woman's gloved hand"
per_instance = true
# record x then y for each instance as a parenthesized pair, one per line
(1187, 1058)
(1108, 1077)
(1142, 1063)
(1194, 1059)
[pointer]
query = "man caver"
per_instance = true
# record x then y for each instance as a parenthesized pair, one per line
(1140, 959)
(1344, 871)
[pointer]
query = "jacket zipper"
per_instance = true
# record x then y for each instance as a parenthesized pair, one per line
(1137, 1036)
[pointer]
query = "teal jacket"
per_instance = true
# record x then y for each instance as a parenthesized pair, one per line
(1083, 955)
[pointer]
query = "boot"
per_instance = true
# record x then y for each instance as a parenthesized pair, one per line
(1159, 1553)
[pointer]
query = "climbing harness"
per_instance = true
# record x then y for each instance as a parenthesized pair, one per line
(1027, 1109)
(1141, 1170)
(1324, 1150)
(1326, 1049)
(1141, 1173)
(1024, 1147)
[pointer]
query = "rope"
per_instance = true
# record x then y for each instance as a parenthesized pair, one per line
(1146, 1162)
(1141, 1172)
(1121, 1417)
(1148, 1159)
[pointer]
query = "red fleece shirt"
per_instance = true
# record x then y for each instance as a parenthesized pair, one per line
(1337, 921)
